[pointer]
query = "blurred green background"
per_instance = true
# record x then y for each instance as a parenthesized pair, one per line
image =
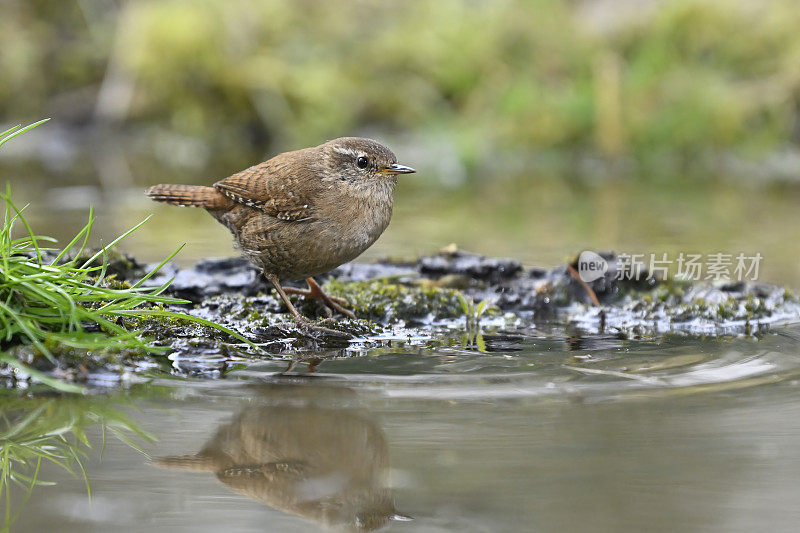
(540, 128)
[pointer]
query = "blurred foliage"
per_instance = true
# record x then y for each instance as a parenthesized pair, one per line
(639, 78)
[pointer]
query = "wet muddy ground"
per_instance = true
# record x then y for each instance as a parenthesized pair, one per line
(422, 303)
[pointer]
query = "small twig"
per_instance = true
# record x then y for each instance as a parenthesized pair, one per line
(585, 285)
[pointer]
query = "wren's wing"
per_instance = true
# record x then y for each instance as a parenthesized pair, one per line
(283, 187)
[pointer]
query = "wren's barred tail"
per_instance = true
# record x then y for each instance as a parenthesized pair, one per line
(188, 195)
(194, 463)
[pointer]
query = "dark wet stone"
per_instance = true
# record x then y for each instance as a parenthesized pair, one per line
(612, 283)
(121, 265)
(272, 332)
(508, 300)
(211, 277)
(764, 290)
(365, 271)
(503, 343)
(537, 272)
(475, 266)
(216, 265)
(739, 286)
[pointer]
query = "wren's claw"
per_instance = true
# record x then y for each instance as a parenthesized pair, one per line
(314, 331)
(301, 322)
(311, 329)
(315, 292)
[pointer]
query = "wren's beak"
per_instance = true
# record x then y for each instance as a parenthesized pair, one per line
(397, 169)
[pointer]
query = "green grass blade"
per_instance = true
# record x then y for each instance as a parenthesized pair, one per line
(7, 198)
(157, 268)
(44, 378)
(114, 242)
(84, 232)
(187, 318)
(17, 130)
(28, 331)
(9, 130)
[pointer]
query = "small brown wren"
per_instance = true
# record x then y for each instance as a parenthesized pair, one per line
(304, 212)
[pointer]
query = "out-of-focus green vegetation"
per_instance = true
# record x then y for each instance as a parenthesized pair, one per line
(633, 78)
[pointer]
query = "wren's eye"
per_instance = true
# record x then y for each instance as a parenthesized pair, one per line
(362, 162)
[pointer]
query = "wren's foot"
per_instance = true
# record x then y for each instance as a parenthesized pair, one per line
(315, 292)
(312, 366)
(302, 322)
(309, 329)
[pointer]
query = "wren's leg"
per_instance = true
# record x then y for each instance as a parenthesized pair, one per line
(312, 365)
(315, 291)
(300, 320)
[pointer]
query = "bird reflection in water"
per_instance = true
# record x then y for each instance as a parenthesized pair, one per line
(328, 465)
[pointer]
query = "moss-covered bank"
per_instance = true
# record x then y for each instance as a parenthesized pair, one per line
(416, 301)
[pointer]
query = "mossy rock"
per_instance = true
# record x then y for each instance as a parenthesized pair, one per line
(384, 300)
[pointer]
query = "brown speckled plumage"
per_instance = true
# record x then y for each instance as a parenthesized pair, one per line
(305, 212)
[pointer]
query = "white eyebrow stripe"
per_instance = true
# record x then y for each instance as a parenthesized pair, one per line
(348, 151)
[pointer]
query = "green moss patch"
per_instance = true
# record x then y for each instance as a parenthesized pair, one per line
(383, 300)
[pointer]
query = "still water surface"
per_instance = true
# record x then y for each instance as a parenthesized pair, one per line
(542, 434)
